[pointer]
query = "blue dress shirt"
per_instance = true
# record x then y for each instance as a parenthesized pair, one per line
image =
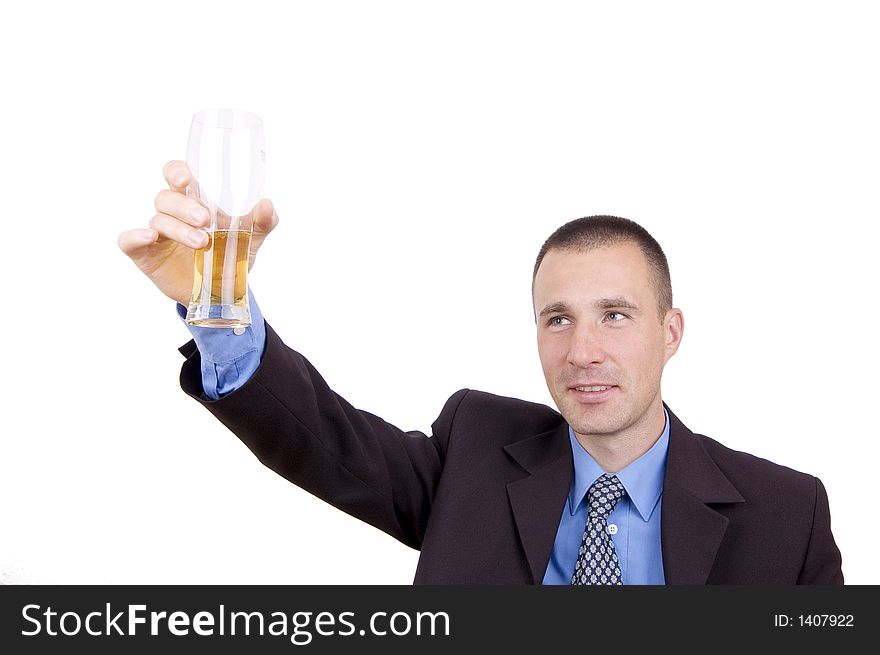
(229, 360)
(637, 516)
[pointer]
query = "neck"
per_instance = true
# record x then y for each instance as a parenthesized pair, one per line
(614, 452)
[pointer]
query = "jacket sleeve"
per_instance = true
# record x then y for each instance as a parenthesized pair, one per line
(288, 416)
(822, 564)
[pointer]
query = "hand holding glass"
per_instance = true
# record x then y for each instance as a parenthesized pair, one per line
(225, 156)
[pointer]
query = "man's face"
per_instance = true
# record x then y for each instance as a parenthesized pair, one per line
(599, 326)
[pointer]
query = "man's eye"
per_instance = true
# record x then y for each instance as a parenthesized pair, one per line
(556, 321)
(615, 317)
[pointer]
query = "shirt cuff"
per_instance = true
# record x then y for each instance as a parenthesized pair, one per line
(228, 360)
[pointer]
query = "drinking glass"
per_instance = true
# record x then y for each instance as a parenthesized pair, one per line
(226, 158)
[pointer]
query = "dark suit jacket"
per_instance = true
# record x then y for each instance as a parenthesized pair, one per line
(482, 498)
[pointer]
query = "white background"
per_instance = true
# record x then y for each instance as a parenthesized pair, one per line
(418, 155)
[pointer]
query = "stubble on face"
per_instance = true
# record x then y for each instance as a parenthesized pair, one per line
(598, 324)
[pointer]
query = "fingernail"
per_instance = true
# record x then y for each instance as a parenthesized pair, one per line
(197, 238)
(198, 214)
(179, 179)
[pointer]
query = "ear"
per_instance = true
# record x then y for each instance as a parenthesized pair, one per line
(673, 330)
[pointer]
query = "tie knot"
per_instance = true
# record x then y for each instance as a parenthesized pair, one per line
(604, 495)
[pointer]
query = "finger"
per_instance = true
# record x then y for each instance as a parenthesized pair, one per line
(171, 228)
(182, 208)
(265, 218)
(176, 174)
(132, 240)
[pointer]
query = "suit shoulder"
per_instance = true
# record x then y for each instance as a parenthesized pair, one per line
(491, 412)
(752, 472)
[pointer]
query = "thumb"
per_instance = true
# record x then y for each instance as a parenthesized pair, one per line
(265, 220)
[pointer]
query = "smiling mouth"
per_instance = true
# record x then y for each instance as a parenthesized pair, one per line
(592, 394)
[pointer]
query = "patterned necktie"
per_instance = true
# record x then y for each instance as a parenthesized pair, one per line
(597, 560)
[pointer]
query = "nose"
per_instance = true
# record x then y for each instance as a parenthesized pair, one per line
(585, 348)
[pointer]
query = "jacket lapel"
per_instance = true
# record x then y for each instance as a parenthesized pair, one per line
(691, 531)
(537, 500)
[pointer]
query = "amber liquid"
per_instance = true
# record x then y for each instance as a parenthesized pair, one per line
(221, 269)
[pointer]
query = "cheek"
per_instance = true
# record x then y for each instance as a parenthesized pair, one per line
(647, 360)
(641, 356)
(551, 351)
(555, 342)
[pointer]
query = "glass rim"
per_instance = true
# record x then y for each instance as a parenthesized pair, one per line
(227, 119)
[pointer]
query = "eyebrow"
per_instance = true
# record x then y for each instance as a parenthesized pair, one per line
(602, 303)
(616, 303)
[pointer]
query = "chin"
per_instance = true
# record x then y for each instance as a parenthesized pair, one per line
(595, 421)
(596, 428)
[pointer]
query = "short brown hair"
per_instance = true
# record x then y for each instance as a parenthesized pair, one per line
(585, 234)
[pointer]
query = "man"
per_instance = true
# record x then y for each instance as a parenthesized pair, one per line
(611, 489)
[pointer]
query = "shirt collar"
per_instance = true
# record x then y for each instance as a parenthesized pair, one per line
(642, 479)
